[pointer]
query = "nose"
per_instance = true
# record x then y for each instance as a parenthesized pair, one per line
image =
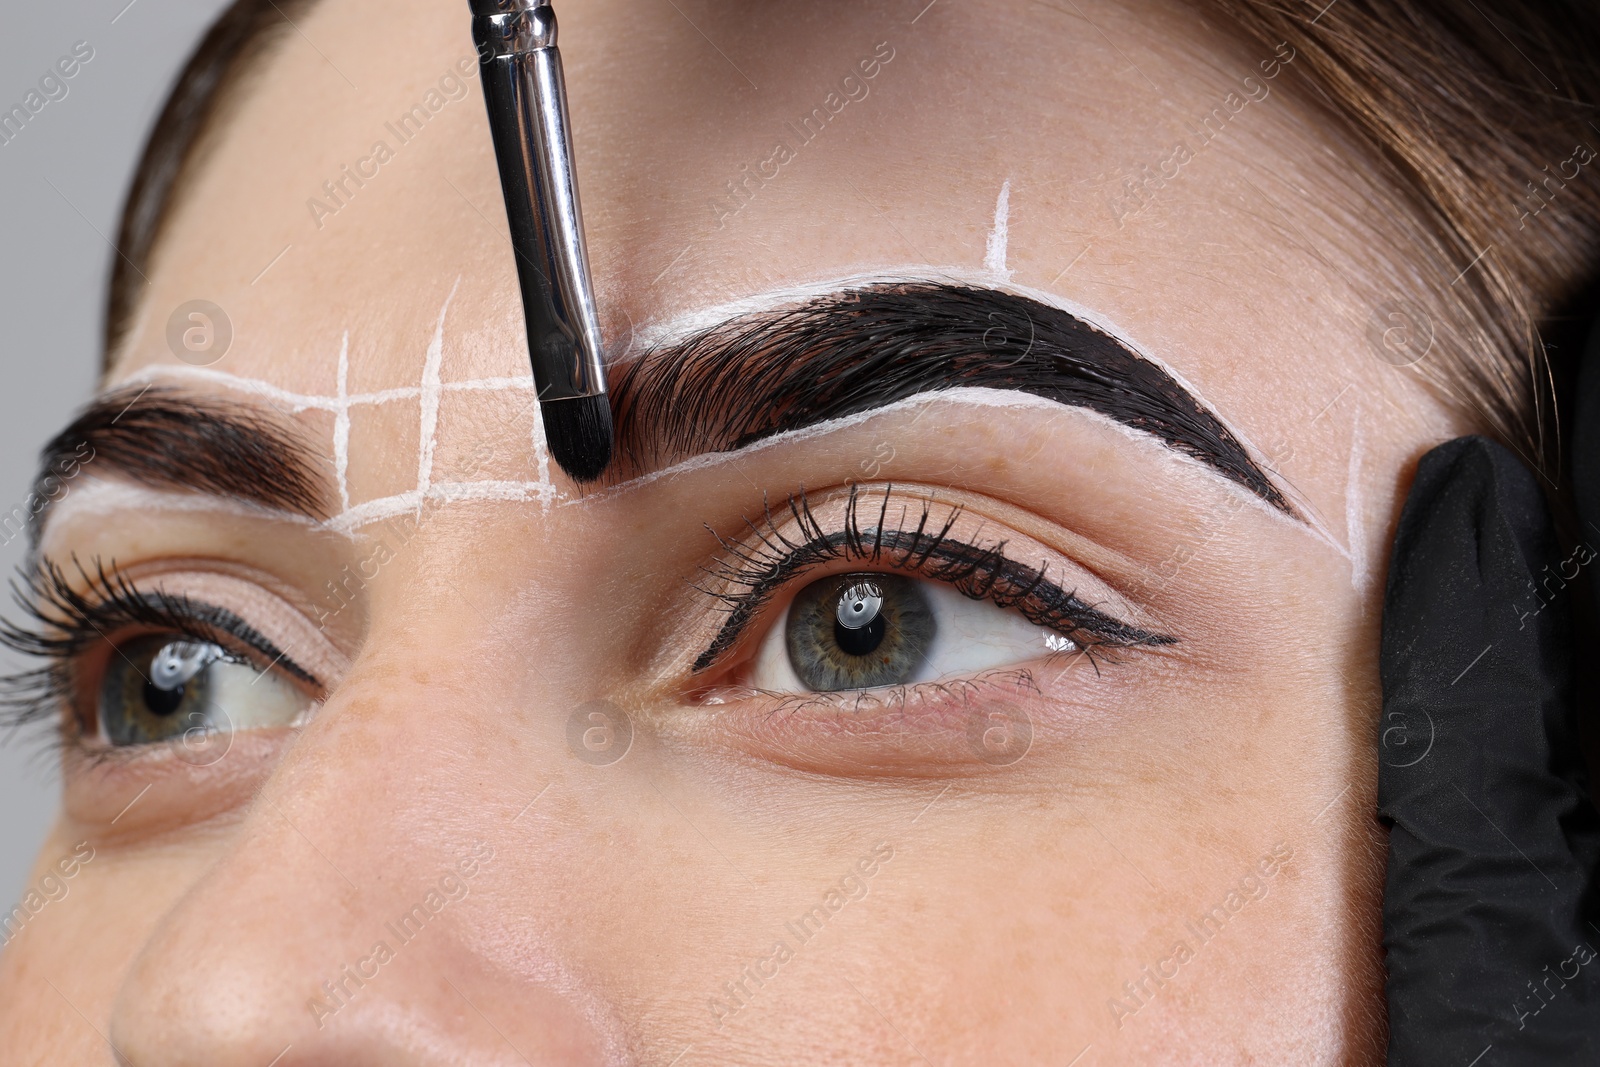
(371, 908)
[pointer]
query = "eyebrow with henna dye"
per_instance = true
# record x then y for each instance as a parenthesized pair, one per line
(748, 378)
(766, 373)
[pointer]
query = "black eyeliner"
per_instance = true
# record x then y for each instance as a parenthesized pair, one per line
(755, 572)
(64, 622)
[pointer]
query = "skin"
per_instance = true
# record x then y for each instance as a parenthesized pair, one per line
(1015, 901)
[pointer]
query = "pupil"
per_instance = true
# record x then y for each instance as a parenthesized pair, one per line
(163, 702)
(171, 670)
(860, 640)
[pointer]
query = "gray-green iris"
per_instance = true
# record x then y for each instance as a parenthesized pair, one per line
(156, 689)
(859, 631)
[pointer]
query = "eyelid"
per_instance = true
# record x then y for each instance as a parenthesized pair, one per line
(923, 730)
(75, 624)
(222, 623)
(278, 627)
(778, 552)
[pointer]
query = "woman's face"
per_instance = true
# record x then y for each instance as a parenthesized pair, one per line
(470, 765)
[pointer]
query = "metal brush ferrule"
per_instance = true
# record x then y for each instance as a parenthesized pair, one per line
(507, 27)
(525, 92)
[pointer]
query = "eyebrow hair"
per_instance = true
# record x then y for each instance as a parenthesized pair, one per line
(777, 371)
(169, 440)
(727, 387)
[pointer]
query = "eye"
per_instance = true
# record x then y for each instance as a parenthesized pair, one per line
(125, 667)
(870, 630)
(946, 594)
(166, 687)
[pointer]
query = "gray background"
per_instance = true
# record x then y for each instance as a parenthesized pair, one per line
(62, 182)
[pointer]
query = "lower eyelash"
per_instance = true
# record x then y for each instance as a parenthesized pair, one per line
(751, 574)
(888, 698)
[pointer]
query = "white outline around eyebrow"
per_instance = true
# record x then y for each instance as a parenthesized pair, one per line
(981, 396)
(543, 490)
(106, 496)
(681, 327)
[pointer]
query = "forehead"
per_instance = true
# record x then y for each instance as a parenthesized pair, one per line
(1123, 156)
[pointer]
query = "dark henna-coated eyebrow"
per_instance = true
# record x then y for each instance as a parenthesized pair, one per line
(777, 371)
(727, 387)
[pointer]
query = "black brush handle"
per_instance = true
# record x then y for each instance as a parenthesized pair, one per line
(525, 93)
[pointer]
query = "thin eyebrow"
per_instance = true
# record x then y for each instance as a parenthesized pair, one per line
(773, 372)
(170, 440)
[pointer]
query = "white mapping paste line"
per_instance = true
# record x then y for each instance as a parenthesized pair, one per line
(490, 490)
(978, 396)
(284, 398)
(994, 251)
(412, 502)
(1354, 509)
(371, 511)
(524, 384)
(679, 328)
(341, 426)
(99, 496)
(541, 451)
(297, 402)
(428, 400)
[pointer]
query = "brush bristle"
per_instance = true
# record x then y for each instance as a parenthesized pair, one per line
(578, 432)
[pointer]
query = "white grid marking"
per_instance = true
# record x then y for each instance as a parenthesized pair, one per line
(428, 402)
(994, 251)
(427, 394)
(1354, 508)
(341, 425)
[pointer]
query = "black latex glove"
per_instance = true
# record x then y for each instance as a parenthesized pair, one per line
(1491, 930)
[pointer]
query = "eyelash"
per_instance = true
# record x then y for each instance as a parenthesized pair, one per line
(61, 622)
(746, 579)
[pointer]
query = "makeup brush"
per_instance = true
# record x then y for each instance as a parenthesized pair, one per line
(526, 95)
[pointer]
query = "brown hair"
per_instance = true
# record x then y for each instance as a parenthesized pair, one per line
(1470, 110)
(1468, 115)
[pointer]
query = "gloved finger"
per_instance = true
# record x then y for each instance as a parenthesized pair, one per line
(1491, 951)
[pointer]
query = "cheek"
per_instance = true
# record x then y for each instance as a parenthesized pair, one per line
(85, 942)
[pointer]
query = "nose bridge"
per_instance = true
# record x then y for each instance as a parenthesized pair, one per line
(346, 918)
